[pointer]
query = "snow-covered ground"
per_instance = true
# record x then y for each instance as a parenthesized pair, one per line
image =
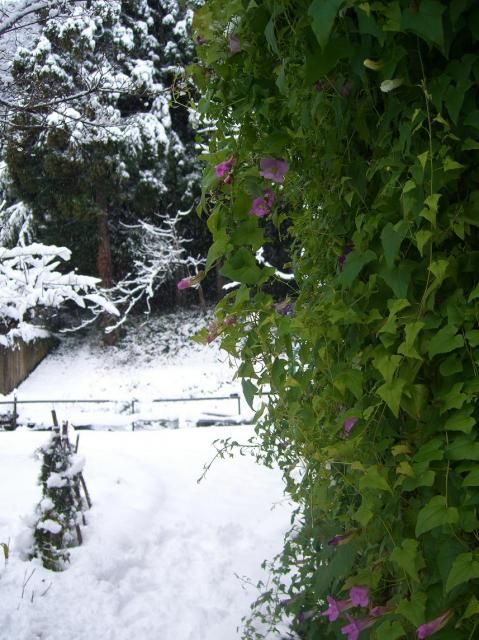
(155, 360)
(164, 558)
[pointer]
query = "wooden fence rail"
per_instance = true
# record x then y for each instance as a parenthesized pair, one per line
(17, 363)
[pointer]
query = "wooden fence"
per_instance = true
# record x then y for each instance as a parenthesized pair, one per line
(17, 363)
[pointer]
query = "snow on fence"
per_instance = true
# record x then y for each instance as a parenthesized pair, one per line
(132, 414)
(17, 363)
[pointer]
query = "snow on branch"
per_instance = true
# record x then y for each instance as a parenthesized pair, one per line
(31, 287)
(160, 252)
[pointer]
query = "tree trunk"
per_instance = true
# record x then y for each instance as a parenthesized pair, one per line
(104, 264)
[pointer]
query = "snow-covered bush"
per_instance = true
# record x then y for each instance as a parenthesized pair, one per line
(60, 511)
(32, 288)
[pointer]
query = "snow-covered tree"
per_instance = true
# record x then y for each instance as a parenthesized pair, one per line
(108, 157)
(32, 289)
(60, 511)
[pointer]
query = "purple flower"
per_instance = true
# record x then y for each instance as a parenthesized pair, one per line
(234, 44)
(359, 596)
(335, 608)
(427, 629)
(284, 308)
(348, 424)
(273, 169)
(319, 86)
(213, 333)
(223, 168)
(342, 258)
(229, 320)
(199, 40)
(341, 538)
(355, 626)
(377, 612)
(262, 206)
(346, 88)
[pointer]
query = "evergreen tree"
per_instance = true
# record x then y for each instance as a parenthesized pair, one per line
(122, 150)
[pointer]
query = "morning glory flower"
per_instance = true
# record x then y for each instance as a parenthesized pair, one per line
(224, 168)
(273, 169)
(429, 628)
(335, 608)
(262, 206)
(184, 283)
(355, 626)
(341, 538)
(342, 258)
(359, 596)
(234, 44)
(348, 424)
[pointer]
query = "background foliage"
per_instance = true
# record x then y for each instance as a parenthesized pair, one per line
(371, 352)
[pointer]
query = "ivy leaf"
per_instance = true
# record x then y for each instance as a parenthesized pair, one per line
(465, 568)
(241, 266)
(435, 514)
(445, 341)
(323, 15)
(462, 448)
(408, 558)
(391, 393)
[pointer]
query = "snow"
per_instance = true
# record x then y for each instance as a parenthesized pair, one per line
(163, 556)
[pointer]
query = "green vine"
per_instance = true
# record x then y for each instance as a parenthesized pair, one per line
(351, 129)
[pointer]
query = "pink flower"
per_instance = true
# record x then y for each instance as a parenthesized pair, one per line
(234, 44)
(348, 424)
(262, 206)
(335, 608)
(213, 333)
(429, 628)
(341, 538)
(359, 596)
(224, 168)
(273, 169)
(355, 626)
(185, 283)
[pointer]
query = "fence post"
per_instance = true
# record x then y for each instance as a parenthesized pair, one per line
(14, 420)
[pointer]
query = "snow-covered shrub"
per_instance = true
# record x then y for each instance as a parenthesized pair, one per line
(60, 511)
(31, 287)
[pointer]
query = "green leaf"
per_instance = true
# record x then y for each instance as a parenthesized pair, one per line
(422, 238)
(391, 239)
(465, 568)
(390, 630)
(411, 332)
(271, 36)
(355, 262)
(461, 420)
(445, 341)
(242, 267)
(472, 479)
(323, 15)
(408, 558)
(435, 514)
(413, 609)
(472, 608)
(463, 448)
(391, 393)
(374, 478)
(387, 365)
(425, 20)
(249, 391)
